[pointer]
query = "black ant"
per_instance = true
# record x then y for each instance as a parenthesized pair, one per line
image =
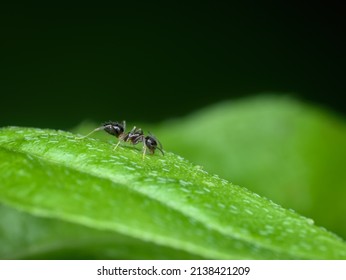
(135, 136)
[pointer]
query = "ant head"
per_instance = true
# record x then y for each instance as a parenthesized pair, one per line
(152, 144)
(114, 128)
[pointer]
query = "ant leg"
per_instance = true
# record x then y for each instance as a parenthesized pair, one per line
(144, 151)
(124, 125)
(116, 146)
(96, 129)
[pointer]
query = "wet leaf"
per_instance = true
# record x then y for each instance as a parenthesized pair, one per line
(280, 148)
(182, 210)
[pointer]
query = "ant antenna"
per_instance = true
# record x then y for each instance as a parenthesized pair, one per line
(160, 149)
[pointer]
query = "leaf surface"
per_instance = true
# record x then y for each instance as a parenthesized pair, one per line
(161, 200)
(278, 147)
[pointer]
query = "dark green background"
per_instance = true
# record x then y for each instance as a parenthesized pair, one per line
(149, 62)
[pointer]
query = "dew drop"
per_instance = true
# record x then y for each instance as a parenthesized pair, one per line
(185, 190)
(184, 183)
(130, 168)
(221, 205)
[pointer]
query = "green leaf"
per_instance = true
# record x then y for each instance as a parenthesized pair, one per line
(25, 236)
(162, 202)
(277, 147)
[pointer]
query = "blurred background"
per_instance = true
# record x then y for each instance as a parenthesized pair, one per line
(145, 61)
(152, 63)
